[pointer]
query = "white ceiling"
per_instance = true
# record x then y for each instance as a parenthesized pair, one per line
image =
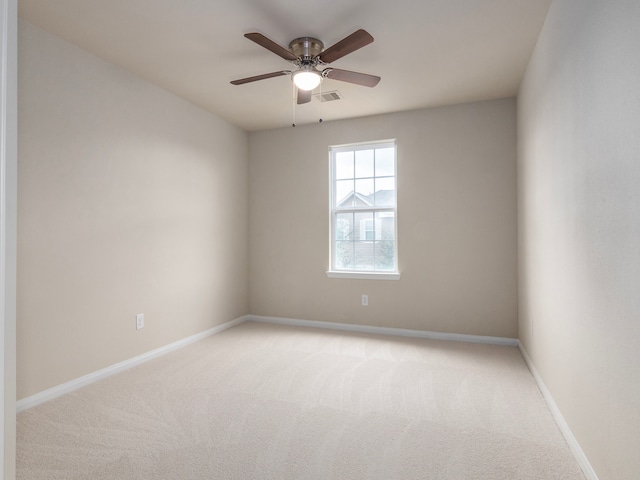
(428, 52)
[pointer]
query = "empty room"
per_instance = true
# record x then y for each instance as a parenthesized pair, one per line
(288, 240)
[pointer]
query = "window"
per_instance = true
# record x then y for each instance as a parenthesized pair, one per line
(363, 209)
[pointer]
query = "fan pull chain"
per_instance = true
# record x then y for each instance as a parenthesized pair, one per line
(293, 105)
(320, 100)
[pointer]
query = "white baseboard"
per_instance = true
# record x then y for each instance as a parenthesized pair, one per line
(574, 446)
(85, 380)
(401, 332)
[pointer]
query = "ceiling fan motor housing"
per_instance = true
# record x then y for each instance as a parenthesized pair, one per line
(307, 50)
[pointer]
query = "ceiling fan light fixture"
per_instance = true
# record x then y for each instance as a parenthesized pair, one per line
(307, 79)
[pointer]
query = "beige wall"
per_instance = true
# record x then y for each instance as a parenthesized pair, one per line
(131, 200)
(8, 233)
(579, 224)
(456, 222)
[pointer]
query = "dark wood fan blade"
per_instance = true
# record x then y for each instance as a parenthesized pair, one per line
(363, 79)
(345, 46)
(271, 46)
(260, 77)
(304, 96)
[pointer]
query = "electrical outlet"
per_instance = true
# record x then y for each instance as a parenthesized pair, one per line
(139, 321)
(365, 300)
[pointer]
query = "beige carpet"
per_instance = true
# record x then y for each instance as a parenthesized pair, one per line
(271, 402)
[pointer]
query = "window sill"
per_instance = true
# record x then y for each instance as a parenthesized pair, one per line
(364, 275)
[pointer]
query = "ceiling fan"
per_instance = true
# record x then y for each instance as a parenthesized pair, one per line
(307, 54)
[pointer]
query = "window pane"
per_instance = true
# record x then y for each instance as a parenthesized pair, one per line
(385, 191)
(344, 226)
(344, 165)
(363, 222)
(344, 255)
(385, 160)
(386, 223)
(363, 255)
(364, 163)
(385, 256)
(370, 231)
(344, 193)
(364, 188)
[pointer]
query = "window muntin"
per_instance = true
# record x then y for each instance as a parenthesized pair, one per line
(363, 208)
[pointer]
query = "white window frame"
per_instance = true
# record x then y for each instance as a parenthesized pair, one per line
(333, 211)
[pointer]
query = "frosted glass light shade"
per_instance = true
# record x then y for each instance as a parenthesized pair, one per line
(306, 80)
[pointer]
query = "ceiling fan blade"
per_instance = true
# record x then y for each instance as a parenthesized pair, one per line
(363, 79)
(345, 46)
(260, 77)
(271, 46)
(304, 96)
